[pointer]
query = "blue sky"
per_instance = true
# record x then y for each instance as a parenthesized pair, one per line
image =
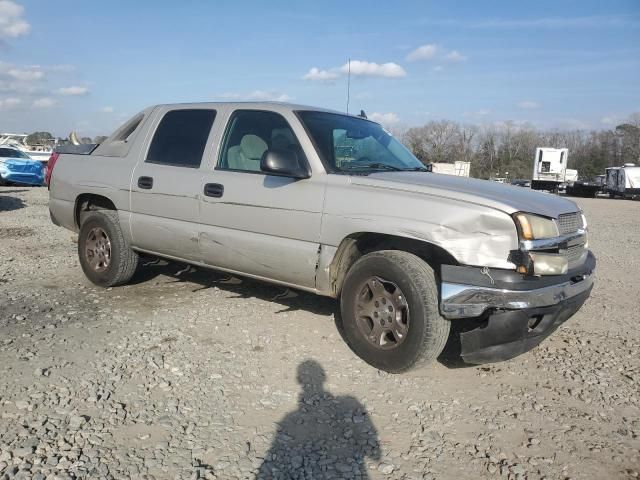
(86, 66)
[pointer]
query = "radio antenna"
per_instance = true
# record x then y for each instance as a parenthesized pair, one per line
(348, 82)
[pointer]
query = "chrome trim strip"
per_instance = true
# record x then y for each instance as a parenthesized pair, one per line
(465, 301)
(575, 238)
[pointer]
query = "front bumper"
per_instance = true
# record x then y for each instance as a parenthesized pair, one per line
(25, 178)
(508, 313)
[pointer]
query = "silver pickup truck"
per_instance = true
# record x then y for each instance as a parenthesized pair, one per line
(332, 204)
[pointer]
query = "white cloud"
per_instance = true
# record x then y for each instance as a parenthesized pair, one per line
(615, 119)
(44, 102)
(386, 119)
(26, 74)
(315, 74)
(12, 24)
(258, 96)
(424, 52)
(572, 124)
(528, 104)
(455, 56)
(372, 69)
(483, 112)
(9, 103)
(73, 91)
(358, 68)
(106, 109)
(268, 96)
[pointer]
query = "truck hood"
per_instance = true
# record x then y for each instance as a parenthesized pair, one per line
(506, 198)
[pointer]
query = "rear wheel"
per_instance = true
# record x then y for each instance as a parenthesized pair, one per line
(390, 315)
(105, 256)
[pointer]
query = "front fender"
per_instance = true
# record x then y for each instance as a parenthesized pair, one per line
(473, 234)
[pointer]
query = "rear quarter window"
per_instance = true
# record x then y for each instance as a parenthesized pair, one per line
(120, 141)
(181, 137)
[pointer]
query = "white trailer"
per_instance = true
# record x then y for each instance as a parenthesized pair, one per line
(570, 175)
(549, 168)
(460, 169)
(623, 181)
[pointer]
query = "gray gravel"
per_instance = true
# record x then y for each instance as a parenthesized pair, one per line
(197, 375)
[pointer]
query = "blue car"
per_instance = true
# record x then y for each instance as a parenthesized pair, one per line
(18, 167)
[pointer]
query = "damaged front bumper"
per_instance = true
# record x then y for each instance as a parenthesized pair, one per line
(509, 313)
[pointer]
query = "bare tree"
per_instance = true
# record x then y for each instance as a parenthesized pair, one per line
(510, 147)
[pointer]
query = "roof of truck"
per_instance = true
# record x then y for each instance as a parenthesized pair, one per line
(258, 105)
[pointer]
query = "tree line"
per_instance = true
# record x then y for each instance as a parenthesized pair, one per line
(507, 149)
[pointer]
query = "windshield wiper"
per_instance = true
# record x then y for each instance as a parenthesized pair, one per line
(415, 169)
(374, 166)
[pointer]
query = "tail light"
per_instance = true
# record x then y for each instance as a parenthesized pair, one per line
(50, 164)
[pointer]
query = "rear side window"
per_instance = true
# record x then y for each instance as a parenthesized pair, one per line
(181, 137)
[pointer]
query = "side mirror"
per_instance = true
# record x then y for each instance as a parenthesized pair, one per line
(284, 163)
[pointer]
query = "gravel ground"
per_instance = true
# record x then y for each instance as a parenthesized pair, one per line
(191, 374)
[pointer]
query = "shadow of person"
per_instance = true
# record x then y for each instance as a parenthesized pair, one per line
(326, 437)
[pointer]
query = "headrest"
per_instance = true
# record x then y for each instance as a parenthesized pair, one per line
(253, 146)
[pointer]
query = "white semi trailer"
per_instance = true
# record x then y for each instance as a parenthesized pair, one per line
(623, 181)
(458, 168)
(549, 168)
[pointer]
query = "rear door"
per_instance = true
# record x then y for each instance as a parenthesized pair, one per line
(259, 224)
(166, 182)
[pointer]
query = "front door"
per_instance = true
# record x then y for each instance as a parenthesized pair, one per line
(258, 224)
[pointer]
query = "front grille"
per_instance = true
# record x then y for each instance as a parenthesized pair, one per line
(569, 223)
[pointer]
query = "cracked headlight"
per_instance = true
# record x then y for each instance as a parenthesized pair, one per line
(535, 227)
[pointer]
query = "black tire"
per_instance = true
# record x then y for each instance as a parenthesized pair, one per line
(427, 331)
(123, 260)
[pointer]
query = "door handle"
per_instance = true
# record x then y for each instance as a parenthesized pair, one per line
(145, 182)
(213, 190)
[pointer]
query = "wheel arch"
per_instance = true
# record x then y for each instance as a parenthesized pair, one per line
(86, 202)
(355, 245)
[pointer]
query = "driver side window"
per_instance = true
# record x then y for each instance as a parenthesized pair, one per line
(250, 133)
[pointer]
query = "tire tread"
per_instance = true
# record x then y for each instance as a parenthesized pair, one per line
(436, 331)
(125, 258)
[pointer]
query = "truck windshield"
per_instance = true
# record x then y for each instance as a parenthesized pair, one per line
(349, 144)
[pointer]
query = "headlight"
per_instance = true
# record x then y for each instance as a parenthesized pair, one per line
(534, 227)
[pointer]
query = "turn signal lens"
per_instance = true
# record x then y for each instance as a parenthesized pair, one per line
(535, 227)
(525, 227)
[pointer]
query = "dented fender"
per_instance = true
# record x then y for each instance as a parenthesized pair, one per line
(472, 233)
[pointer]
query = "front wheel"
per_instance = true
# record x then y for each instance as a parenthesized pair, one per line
(105, 256)
(390, 315)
